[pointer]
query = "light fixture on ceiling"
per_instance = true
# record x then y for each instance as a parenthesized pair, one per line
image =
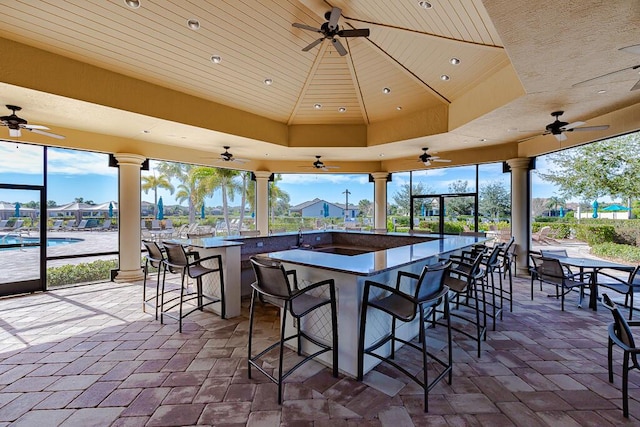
(317, 106)
(483, 139)
(445, 77)
(194, 24)
(381, 154)
(133, 4)
(454, 61)
(146, 131)
(268, 82)
(425, 4)
(399, 108)
(386, 90)
(601, 91)
(342, 109)
(216, 59)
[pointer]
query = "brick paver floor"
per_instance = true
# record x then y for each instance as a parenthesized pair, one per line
(89, 356)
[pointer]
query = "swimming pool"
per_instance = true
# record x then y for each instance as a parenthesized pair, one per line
(10, 242)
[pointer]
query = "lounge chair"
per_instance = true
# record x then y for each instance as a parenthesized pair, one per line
(16, 226)
(82, 225)
(70, 225)
(543, 235)
(106, 226)
(155, 224)
(57, 225)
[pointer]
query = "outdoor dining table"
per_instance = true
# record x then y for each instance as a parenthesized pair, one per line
(594, 265)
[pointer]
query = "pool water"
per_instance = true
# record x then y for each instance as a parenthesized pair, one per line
(8, 242)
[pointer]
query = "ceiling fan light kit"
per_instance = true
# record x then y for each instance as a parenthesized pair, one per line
(16, 124)
(557, 128)
(426, 158)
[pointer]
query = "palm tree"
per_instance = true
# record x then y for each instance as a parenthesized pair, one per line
(153, 182)
(554, 202)
(182, 173)
(210, 179)
(275, 194)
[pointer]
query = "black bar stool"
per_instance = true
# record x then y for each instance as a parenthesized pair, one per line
(155, 259)
(177, 262)
(430, 291)
(272, 286)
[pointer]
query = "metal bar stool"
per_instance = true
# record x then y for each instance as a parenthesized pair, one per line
(177, 262)
(155, 259)
(273, 286)
(430, 291)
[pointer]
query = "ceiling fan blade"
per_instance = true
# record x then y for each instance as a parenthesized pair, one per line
(312, 45)
(529, 137)
(635, 67)
(561, 137)
(590, 128)
(333, 18)
(306, 27)
(440, 160)
(635, 49)
(339, 47)
(636, 86)
(35, 127)
(49, 134)
(362, 32)
(237, 160)
(571, 126)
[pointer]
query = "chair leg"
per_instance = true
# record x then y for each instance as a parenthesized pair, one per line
(251, 316)
(164, 277)
(144, 287)
(630, 305)
(425, 374)
(449, 337)
(334, 326)
(610, 359)
(625, 385)
(281, 353)
(160, 267)
(363, 323)
(223, 306)
(181, 301)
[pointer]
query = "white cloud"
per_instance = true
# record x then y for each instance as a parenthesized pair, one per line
(27, 159)
(302, 179)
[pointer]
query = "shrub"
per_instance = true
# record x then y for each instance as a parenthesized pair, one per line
(624, 253)
(595, 234)
(80, 273)
(454, 227)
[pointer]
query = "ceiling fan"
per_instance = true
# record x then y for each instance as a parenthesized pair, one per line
(16, 124)
(319, 164)
(634, 49)
(557, 128)
(427, 158)
(228, 157)
(329, 30)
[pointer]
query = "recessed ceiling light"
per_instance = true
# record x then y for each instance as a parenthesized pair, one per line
(386, 90)
(444, 77)
(317, 106)
(399, 108)
(381, 154)
(268, 82)
(601, 91)
(342, 109)
(146, 131)
(425, 4)
(133, 4)
(194, 24)
(483, 139)
(454, 61)
(216, 59)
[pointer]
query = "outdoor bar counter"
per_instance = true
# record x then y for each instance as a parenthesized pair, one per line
(350, 267)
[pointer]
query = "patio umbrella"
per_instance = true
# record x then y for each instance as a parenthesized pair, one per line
(615, 208)
(595, 209)
(110, 210)
(17, 212)
(160, 214)
(561, 212)
(325, 209)
(202, 212)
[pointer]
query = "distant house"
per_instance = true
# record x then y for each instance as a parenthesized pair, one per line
(318, 208)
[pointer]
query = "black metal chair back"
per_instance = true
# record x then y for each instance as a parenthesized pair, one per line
(155, 258)
(271, 278)
(550, 270)
(176, 257)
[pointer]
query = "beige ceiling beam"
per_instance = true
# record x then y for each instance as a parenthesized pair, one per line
(427, 122)
(44, 71)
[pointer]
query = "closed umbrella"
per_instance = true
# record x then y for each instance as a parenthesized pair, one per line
(202, 212)
(110, 210)
(595, 209)
(160, 214)
(17, 212)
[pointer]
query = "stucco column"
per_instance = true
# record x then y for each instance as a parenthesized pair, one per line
(519, 212)
(262, 201)
(380, 200)
(129, 217)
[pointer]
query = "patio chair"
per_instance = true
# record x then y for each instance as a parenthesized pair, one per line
(429, 292)
(3, 224)
(16, 225)
(551, 271)
(70, 225)
(83, 225)
(106, 226)
(543, 235)
(57, 225)
(626, 287)
(536, 260)
(155, 259)
(155, 224)
(620, 334)
(274, 287)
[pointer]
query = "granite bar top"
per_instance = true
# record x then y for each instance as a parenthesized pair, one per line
(368, 264)
(206, 242)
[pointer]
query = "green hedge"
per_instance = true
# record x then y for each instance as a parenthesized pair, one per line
(595, 234)
(80, 273)
(615, 251)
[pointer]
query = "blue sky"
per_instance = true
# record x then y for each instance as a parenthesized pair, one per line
(84, 174)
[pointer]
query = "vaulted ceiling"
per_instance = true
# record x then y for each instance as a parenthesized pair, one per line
(114, 78)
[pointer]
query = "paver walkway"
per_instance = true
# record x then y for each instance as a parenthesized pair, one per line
(89, 356)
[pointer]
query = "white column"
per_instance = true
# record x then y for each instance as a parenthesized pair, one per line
(519, 213)
(380, 200)
(262, 201)
(129, 217)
